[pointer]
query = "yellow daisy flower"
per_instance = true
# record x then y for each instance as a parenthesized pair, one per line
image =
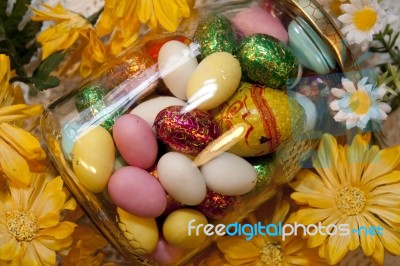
(70, 28)
(123, 18)
(355, 185)
(84, 250)
(269, 250)
(30, 227)
(19, 150)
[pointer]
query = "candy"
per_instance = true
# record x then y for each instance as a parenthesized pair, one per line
(187, 132)
(149, 109)
(258, 20)
(270, 114)
(309, 109)
(214, 81)
(267, 61)
(264, 166)
(181, 178)
(93, 158)
(89, 95)
(135, 141)
(166, 253)
(131, 66)
(153, 47)
(177, 232)
(176, 64)
(215, 34)
(309, 48)
(142, 233)
(137, 192)
(215, 205)
(90, 102)
(229, 174)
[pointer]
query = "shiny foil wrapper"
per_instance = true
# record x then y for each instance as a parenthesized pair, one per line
(267, 61)
(89, 101)
(215, 34)
(89, 95)
(270, 115)
(132, 65)
(215, 205)
(187, 132)
(264, 167)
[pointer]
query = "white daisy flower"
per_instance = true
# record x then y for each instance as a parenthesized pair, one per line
(356, 106)
(362, 19)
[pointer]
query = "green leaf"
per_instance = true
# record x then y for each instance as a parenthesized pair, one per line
(21, 39)
(41, 77)
(19, 9)
(3, 6)
(49, 64)
(45, 82)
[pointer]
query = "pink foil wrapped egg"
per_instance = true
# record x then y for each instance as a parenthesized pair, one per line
(187, 132)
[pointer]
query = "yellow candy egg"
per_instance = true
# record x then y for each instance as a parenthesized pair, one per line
(270, 115)
(142, 233)
(176, 228)
(214, 80)
(93, 158)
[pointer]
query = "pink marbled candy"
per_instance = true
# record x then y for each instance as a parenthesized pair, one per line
(258, 20)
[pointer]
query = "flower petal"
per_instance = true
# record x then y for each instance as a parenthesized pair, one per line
(237, 248)
(367, 241)
(22, 141)
(384, 162)
(13, 165)
(61, 231)
(9, 248)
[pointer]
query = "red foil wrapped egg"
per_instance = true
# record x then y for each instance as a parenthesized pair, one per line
(187, 132)
(215, 205)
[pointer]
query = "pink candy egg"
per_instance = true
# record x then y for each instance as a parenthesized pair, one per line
(166, 253)
(135, 141)
(137, 192)
(258, 20)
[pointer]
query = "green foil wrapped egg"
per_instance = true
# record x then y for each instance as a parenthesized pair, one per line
(215, 34)
(264, 166)
(89, 101)
(270, 115)
(89, 95)
(267, 61)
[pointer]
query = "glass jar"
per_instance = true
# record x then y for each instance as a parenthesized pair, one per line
(202, 124)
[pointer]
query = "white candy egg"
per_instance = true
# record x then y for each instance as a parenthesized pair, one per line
(149, 109)
(181, 178)
(229, 174)
(309, 108)
(176, 64)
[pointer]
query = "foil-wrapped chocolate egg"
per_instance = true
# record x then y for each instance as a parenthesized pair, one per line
(270, 114)
(215, 34)
(186, 131)
(267, 61)
(215, 205)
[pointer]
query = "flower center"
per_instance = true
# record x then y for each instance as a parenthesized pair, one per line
(365, 19)
(335, 7)
(21, 225)
(360, 102)
(271, 254)
(350, 200)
